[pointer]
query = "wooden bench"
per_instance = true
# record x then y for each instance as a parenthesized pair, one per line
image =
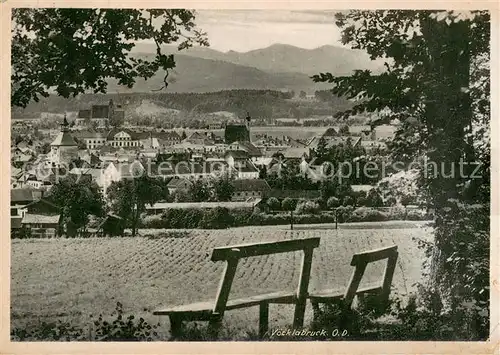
(360, 262)
(213, 312)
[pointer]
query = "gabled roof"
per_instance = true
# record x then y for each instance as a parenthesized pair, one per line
(22, 195)
(295, 153)
(115, 131)
(251, 149)
(246, 167)
(178, 183)
(44, 201)
(39, 218)
(330, 132)
(237, 154)
(64, 139)
(251, 185)
(15, 222)
(107, 149)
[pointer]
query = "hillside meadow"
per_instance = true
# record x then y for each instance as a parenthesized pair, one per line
(70, 279)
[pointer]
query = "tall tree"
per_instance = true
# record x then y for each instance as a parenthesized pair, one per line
(78, 198)
(199, 191)
(223, 188)
(74, 50)
(129, 198)
(437, 73)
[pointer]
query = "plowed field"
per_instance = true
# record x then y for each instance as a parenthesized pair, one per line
(70, 279)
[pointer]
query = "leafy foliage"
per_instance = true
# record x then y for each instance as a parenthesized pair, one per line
(436, 84)
(121, 328)
(78, 198)
(74, 50)
(223, 188)
(273, 203)
(129, 197)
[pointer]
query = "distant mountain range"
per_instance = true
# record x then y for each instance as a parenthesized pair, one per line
(193, 74)
(281, 67)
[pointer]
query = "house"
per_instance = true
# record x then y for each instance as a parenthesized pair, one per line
(20, 198)
(199, 139)
(122, 137)
(166, 138)
(20, 157)
(240, 165)
(250, 188)
(92, 140)
(295, 154)
(185, 147)
(252, 151)
(266, 162)
(43, 219)
(245, 170)
(178, 184)
(99, 116)
(111, 226)
(232, 156)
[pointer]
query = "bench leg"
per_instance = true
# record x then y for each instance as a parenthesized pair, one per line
(175, 326)
(316, 310)
(263, 319)
(214, 326)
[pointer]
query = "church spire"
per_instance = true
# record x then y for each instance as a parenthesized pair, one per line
(65, 124)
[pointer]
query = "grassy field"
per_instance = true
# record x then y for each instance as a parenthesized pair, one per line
(69, 279)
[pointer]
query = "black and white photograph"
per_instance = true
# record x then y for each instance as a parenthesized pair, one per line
(236, 175)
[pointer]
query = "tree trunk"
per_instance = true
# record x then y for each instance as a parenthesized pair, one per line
(447, 116)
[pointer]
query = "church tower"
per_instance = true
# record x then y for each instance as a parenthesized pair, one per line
(247, 123)
(64, 148)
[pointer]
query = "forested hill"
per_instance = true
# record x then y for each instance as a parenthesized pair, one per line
(261, 104)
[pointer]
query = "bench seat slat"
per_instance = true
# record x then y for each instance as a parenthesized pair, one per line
(204, 309)
(335, 294)
(275, 297)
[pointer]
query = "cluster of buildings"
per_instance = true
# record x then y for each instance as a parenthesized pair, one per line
(107, 155)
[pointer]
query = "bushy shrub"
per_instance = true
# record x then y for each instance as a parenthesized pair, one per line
(348, 201)
(273, 203)
(344, 213)
(333, 202)
(417, 215)
(289, 204)
(365, 214)
(307, 207)
(121, 328)
(374, 199)
(390, 201)
(397, 213)
(217, 218)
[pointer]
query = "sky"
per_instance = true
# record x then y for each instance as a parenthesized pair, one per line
(244, 30)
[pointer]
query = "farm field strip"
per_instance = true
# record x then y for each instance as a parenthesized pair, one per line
(72, 278)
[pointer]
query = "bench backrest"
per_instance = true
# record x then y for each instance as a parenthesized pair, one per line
(232, 254)
(361, 260)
